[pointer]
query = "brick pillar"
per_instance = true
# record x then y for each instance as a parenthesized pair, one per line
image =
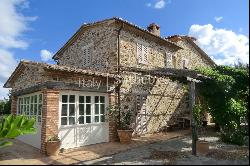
(13, 105)
(113, 135)
(50, 116)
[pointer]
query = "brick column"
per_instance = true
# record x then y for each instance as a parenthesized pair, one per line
(13, 105)
(113, 135)
(50, 116)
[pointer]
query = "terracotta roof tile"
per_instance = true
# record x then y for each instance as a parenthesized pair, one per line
(57, 68)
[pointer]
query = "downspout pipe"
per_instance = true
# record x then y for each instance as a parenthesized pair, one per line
(118, 72)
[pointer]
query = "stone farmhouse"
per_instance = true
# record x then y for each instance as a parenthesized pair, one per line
(109, 62)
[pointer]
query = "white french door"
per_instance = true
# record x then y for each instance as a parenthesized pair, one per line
(82, 119)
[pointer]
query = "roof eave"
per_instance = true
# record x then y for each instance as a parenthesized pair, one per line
(17, 69)
(145, 31)
(75, 35)
(55, 57)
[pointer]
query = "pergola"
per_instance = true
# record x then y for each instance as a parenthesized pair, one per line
(190, 76)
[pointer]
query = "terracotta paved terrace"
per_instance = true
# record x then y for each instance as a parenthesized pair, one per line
(21, 153)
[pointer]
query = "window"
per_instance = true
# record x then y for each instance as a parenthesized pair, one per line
(185, 63)
(99, 109)
(31, 106)
(142, 53)
(168, 60)
(87, 56)
(88, 109)
(68, 110)
(82, 109)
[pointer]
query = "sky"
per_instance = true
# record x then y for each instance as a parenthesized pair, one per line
(36, 29)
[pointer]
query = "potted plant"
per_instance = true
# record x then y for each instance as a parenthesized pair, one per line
(53, 146)
(201, 144)
(123, 121)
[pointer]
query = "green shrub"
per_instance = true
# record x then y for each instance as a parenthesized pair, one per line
(13, 126)
(226, 95)
(234, 137)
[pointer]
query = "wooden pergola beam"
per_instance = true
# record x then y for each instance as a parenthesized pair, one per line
(193, 122)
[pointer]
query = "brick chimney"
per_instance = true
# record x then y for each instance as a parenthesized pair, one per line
(154, 29)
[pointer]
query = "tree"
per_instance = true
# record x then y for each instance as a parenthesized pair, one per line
(226, 95)
(5, 105)
(13, 126)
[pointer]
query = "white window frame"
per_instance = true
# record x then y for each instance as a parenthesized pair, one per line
(99, 114)
(185, 63)
(22, 106)
(87, 58)
(77, 94)
(68, 103)
(142, 55)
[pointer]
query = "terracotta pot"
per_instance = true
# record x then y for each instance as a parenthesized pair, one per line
(53, 148)
(125, 136)
(202, 146)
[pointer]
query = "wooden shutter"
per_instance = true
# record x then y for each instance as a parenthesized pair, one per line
(139, 53)
(169, 59)
(145, 54)
(86, 56)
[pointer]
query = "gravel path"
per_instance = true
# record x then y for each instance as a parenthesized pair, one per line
(178, 151)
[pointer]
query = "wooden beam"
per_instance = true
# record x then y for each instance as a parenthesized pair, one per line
(59, 86)
(193, 123)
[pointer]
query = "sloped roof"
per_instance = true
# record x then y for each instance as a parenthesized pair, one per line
(54, 67)
(190, 39)
(171, 44)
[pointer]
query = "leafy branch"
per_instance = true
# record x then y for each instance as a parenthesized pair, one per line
(13, 126)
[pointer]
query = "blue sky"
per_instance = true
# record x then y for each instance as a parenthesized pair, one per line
(35, 29)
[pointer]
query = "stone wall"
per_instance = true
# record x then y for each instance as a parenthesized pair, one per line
(113, 135)
(166, 100)
(35, 74)
(128, 54)
(190, 53)
(103, 41)
(30, 76)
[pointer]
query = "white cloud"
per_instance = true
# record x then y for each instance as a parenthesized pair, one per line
(160, 4)
(218, 19)
(7, 62)
(225, 46)
(46, 55)
(12, 26)
(7, 65)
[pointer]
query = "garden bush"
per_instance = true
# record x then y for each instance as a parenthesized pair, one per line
(226, 93)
